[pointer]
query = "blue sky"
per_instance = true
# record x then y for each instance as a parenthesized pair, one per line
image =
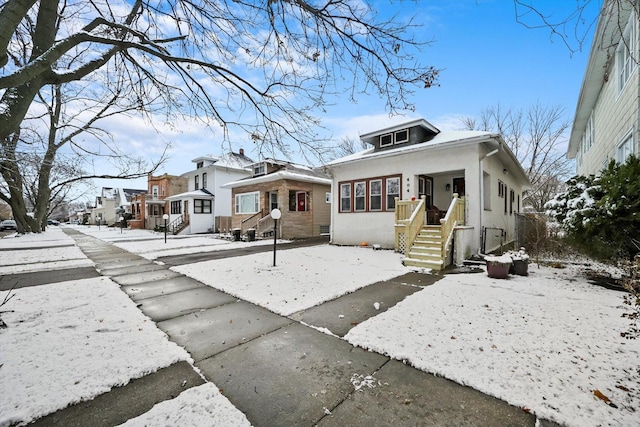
(486, 58)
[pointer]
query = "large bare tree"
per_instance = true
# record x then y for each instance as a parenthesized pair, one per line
(263, 67)
(537, 137)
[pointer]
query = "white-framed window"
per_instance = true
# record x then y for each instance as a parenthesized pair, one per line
(375, 195)
(176, 207)
(345, 197)
(154, 191)
(486, 190)
(273, 200)
(393, 191)
(589, 134)
(401, 136)
(386, 140)
(360, 196)
(327, 197)
(196, 182)
(625, 53)
(204, 180)
(258, 169)
(248, 203)
(625, 148)
(201, 206)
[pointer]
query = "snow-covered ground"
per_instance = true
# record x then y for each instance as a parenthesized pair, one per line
(544, 342)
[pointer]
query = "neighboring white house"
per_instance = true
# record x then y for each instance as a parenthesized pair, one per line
(607, 119)
(112, 204)
(415, 159)
(205, 201)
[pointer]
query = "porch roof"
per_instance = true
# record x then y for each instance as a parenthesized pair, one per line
(196, 194)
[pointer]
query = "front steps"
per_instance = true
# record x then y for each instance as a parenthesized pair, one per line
(426, 251)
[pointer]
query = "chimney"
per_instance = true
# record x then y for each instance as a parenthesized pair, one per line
(242, 151)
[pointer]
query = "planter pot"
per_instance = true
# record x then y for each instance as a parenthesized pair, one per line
(519, 267)
(497, 269)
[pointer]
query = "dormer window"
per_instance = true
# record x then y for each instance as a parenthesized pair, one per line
(386, 140)
(258, 169)
(199, 165)
(402, 136)
(389, 139)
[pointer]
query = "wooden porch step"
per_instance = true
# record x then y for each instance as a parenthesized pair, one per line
(414, 262)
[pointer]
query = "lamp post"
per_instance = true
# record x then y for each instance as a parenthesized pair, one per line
(275, 214)
(165, 217)
(121, 223)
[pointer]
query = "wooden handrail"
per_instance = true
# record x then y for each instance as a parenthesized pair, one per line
(453, 218)
(410, 213)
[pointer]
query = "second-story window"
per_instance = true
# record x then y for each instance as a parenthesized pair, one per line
(196, 181)
(625, 54)
(204, 180)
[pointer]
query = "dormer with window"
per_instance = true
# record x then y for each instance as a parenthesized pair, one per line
(259, 169)
(414, 132)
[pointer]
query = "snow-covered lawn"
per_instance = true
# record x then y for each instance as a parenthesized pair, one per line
(71, 341)
(544, 342)
(301, 278)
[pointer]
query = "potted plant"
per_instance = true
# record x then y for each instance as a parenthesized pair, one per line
(520, 264)
(498, 266)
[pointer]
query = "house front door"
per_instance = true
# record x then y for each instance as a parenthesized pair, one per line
(302, 201)
(186, 209)
(425, 188)
(458, 186)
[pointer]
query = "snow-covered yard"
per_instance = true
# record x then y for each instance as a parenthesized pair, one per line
(544, 342)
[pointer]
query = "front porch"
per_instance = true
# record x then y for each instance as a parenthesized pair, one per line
(424, 236)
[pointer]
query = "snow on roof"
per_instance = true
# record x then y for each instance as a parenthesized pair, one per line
(445, 137)
(201, 193)
(275, 176)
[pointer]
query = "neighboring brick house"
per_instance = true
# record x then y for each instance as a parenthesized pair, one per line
(607, 119)
(302, 194)
(148, 208)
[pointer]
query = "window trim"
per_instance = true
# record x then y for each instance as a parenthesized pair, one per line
(371, 195)
(626, 140)
(363, 196)
(204, 180)
(237, 198)
(203, 204)
(196, 182)
(385, 205)
(386, 186)
(400, 141)
(348, 197)
(627, 46)
(390, 135)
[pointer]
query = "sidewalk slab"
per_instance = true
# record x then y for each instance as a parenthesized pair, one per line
(206, 333)
(401, 395)
(36, 278)
(289, 377)
(120, 263)
(138, 268)
(161, 287)
(122, 403)
(150, 276)
(341, 314)
(178, 304)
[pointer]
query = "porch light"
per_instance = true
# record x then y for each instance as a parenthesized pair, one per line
(275, 214)
(165, 217)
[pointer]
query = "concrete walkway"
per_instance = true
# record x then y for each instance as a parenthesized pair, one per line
(278, 370)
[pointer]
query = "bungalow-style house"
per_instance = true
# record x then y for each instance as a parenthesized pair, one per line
(205, 206)
(301, 193)
(148, 208)
(425, 192)
(607, 118)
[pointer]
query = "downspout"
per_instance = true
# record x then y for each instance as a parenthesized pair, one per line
(481, 182)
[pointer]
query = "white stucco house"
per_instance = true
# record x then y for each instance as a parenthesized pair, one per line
(206, 204)
(606, 124)
(402, 192)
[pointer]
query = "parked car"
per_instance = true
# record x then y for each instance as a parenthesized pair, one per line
(8, 224)
(53, 222)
